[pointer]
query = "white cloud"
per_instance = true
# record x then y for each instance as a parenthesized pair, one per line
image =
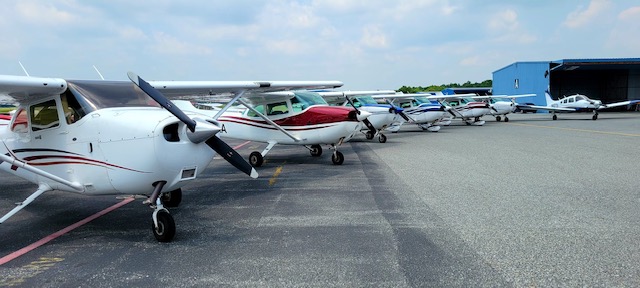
(373, 37)
(582, 17)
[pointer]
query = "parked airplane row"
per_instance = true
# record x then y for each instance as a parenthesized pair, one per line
(137, 137)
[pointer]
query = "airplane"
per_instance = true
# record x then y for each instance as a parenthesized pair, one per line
(417, 109)
(463, 106)
(288, 118)
(97, 137)
(382, 115)
(576, 103)
(501, 105)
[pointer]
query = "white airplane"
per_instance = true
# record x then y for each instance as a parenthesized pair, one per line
(289, 118)
(417, 109)
(463, 106)
(114, 137)
(501, 105)
(382, 115)
(576, 103)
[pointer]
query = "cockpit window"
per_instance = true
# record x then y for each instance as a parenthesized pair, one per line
(367, 100)
(578, 98)
(44, 115)
(94, 95)
(277, 108)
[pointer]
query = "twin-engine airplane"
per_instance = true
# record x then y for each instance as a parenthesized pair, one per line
(114, 137)
(576, 103)
(288, 118)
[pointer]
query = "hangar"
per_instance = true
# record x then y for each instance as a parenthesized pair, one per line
(609, 80)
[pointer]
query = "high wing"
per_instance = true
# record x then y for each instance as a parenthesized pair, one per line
(202, 89)
(503, 96)
(25, 88)
(338, 97)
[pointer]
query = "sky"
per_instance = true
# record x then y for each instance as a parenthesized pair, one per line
(367, 44)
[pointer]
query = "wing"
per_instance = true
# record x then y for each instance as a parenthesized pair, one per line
(203, 89)
(338, 97)
(25, 89)
(618, 104)
(549, 108)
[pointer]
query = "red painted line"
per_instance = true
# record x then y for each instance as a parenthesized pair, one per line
(55, 235)
(240, 146)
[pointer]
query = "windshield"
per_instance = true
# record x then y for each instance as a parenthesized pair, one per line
(303, 99)
(95, 95)
(366, 100)
(422, 100)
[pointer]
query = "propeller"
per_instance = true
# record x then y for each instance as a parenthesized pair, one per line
(199, 130)
(365, 120)
(398, 110)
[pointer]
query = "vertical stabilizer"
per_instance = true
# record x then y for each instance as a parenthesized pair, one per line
(547, 97)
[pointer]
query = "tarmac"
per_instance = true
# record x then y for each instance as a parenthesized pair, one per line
(527, 203)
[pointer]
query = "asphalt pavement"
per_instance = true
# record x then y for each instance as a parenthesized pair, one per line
(528, 203)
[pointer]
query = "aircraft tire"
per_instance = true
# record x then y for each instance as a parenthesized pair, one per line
(369, 135)
(506, 119)
(256, 159)
(382, 138)
(498, 118)
(166, 227)
(595, 117)
(316, 150)
(172, 198)
(555, 117)
(337, 158)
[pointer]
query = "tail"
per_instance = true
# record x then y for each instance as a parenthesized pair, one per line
(547, 97)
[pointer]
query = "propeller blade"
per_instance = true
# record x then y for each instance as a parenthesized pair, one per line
(365, 121)
(224, 150)
(163, 101)
(404, 116)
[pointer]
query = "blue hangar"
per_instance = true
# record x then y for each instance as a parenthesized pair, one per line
(609, 80)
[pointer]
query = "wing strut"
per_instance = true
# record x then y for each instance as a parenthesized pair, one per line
(41, 189)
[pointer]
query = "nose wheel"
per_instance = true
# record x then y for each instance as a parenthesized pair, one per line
(162, 224)
(337, 158)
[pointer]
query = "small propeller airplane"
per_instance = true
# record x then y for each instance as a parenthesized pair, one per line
(576, 103)
(97, 137)
(463, 106)
(288, 118)
(501, 105)
(382, 115)
(417, 109)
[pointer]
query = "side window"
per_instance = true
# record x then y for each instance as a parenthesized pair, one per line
(405, 104)
(356, 103)
(570, 100)
(277, 108)
(260, 109)
(20, 123)
(44, 115)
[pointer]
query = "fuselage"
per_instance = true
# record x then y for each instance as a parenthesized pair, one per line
(106, 148)
(578, 102)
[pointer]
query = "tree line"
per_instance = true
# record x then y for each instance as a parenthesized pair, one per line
(468, 84)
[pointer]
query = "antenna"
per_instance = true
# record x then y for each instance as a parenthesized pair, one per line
(25, 70)
(94, 67)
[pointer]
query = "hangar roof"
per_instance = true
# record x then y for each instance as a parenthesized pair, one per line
(591, 64)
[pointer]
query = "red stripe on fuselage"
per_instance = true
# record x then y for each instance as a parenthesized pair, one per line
(313, 116)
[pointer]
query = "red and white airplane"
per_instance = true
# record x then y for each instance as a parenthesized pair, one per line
(114, 137)
(576, 103)
(288, 118)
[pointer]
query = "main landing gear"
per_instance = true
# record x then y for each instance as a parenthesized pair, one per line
(337, 157)
(381, 137)
(162, 225)
(506, 119)
(595, 116)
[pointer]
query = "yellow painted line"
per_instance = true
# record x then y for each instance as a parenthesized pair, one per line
(30, 270)
(579, 130)
(275, 176)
